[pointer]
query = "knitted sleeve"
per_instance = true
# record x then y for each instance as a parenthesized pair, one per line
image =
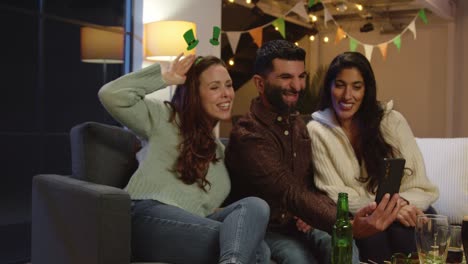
(124, 99)
(415, 186)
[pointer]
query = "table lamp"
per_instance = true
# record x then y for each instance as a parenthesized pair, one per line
(102, 45)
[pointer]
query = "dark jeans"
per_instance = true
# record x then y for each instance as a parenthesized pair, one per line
(166, 233)
(395, 239)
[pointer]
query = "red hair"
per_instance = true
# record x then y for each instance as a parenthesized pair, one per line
(198, 146)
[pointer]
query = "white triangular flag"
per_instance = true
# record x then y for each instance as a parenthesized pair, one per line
(300, 9)
(327, 16)
(368, 49)
(412, 28)
(233, 38)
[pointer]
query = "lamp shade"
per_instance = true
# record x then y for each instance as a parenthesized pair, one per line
(102, 45)
(164, 40)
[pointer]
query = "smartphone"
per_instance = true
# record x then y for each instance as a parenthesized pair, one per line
(392, 170)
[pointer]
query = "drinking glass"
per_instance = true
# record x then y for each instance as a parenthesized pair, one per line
(432, 238)
(465, 235)
(455, 250)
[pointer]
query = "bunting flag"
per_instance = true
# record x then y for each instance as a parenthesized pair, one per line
(422, 15)
(340, 34)
(397, 42)
(233, 38)
(412, 28)
(368, 49)
(327, 16)
(279, 25)
(300, 10)
(383, 50)
(353, 44)
(257, 35)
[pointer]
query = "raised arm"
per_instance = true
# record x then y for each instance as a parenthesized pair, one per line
(124, 98)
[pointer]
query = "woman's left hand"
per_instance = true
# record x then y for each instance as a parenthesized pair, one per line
(408, 215)
(178, 70)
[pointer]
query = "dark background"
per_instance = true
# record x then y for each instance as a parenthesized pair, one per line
(46, 89)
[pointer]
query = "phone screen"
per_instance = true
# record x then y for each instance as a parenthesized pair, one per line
(392, 170)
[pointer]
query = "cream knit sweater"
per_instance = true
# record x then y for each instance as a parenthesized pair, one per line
(336, 167)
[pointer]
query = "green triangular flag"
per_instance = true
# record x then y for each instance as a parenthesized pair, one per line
(422, 15)
(397, 42)
(312, 2)
(279, 23)
(352, 44)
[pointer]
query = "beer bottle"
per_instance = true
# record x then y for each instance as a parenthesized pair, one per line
(342, 233)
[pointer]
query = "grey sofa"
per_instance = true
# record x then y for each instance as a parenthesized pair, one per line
(85, 217)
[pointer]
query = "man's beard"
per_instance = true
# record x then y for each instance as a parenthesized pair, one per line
(274, 95)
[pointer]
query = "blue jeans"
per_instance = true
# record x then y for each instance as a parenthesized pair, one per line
(302, 248)
(165, 233)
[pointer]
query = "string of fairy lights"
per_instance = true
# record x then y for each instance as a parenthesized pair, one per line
(309, 15)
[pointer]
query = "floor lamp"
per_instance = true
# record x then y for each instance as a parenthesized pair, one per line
(102, 45)
(163, 41)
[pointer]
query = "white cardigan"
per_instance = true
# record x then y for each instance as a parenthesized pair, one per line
(336, 168)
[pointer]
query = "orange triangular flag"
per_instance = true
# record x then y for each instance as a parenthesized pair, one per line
(383, 50)
(257, 35)
(340, 34)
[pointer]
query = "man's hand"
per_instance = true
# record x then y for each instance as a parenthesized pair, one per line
(374, 218)
(177, 70)
(301, 225)
(408, 214)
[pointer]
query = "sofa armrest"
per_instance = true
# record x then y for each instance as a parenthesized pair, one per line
(74, 221)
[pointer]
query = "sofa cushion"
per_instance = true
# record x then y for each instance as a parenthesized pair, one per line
(446, 161)
(103, 154)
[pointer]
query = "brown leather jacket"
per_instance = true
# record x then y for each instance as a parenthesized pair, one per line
(269, 156)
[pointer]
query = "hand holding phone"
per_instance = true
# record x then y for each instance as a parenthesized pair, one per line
(392, 170)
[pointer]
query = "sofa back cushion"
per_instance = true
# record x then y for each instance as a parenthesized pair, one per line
(103, 154)
(446, 161)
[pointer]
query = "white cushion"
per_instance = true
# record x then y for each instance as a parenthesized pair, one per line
(446, 162)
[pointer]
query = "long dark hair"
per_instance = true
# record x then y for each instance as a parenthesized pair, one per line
(371, 144)
(198, 146)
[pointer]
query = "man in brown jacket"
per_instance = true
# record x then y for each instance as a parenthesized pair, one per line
(269, 156)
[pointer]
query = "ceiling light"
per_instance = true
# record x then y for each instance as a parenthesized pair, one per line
(313, 18)
(231, 1)
(296, 43)
(367, 27)
(359, 7)
(231, 62)
(325, 39)
(312, 38)
(248, 1)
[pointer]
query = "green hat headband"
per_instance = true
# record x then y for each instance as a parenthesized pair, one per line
(190, 39)
(216, 31)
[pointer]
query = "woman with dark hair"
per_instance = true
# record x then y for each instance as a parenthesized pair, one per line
(181, 182)
(351, 133)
